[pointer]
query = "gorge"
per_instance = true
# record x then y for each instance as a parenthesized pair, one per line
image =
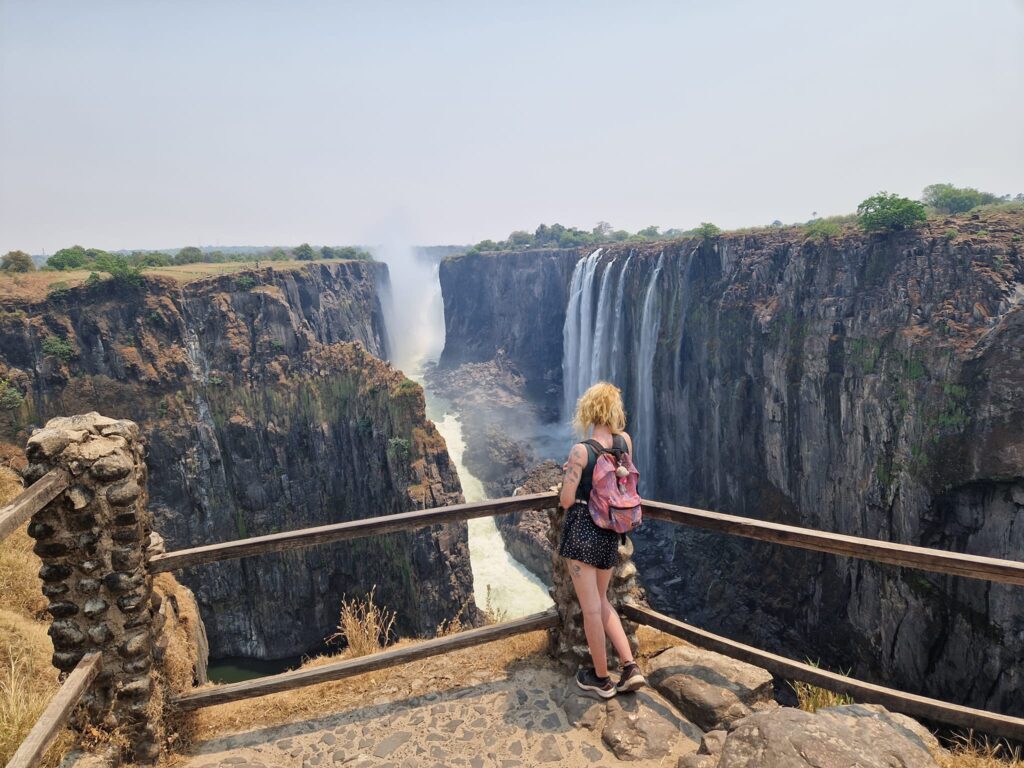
(265, 406)
(863, 384)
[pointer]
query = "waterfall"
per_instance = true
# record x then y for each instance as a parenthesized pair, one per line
(577, 314)
(586, 323)
(617, 352)
(650, 326)
(601, 346)
(597, 345)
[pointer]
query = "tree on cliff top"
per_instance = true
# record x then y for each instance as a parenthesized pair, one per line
(123, 272)
(945, 198)
(304, 252)
(17, 261)
(884, 212)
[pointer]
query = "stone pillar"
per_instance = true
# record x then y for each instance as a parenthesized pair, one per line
(93, 540)
(568, 642)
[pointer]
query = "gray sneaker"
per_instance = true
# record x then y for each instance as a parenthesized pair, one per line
(588, 680)
(632, 679)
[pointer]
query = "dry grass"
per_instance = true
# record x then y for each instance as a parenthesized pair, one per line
(811, 698)
(971, 751)
(363, 626)
(27, 679)
(33, 286)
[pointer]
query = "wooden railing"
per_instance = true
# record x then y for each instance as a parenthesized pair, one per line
(31, 500)
(56, 714)
(940, 561)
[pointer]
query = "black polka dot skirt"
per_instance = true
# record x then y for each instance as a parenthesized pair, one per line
(582, 540)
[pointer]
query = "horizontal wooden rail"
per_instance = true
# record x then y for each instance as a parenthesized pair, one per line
(31, 500)
(56, 715)
(355, 529)
(287, 681)
(937, 560)
(867, 693)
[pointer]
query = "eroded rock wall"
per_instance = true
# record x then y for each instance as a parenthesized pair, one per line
(265, 408)
(871, 385)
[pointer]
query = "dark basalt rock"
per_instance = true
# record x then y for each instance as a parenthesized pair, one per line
(871, 385)
(265, 408)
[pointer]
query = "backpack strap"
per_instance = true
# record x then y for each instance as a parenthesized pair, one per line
(615, 452)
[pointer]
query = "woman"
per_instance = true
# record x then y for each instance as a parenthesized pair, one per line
(591, 551)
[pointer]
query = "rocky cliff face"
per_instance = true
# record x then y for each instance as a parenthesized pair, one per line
(870, 385)
(511, 302)
(265, 409)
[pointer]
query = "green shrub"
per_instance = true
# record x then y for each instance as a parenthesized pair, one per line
(17, 261)
(399, 449)
(121, 271)
(92, 280)
(950, 234)
(407, 387)
(59, 348)
(823, 229)
(10, 397)
(707, 230)
(74, 257)
(945, 198)
(304, 252)
(57, 290)
(245, 282)
(885, 212)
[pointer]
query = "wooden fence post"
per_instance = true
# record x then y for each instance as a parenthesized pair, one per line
(94, 540)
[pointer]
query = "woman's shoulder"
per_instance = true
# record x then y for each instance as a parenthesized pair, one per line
(629, 440)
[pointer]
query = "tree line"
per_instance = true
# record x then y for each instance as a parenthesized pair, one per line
(120, 264)
(879, 213)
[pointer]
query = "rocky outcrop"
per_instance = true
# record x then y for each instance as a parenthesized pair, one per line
(712, 690)
(512, 303)
(866, 384)
(264, 408)
(852, 736)
(526, 533)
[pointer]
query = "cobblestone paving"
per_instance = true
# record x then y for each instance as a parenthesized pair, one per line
(504, 724)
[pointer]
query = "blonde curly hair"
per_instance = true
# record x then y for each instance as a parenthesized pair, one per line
(600, 404)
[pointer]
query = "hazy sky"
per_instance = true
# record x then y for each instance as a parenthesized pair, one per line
(159, 123)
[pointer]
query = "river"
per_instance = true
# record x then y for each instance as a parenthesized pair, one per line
(502, 586)
(415, 315)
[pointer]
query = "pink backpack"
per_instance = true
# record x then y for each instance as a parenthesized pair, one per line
(614, 501)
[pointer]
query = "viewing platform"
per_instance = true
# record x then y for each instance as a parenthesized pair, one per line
(88, 511)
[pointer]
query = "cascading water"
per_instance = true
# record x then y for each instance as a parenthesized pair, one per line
(577, 332)
(415, 319)
(597, 347)
(650, 326)
(618, 323)
(602, 344)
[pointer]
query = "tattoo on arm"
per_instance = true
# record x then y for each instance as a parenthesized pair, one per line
(574, 466)
(576, 569)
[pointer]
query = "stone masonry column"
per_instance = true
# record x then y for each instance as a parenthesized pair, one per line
(568, 642)
(93, 541)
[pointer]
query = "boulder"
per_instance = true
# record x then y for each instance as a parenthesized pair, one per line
(644, 726)
(710, 689)
(851, 736)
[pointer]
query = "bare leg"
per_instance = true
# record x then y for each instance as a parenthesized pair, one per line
(584, 579)
(610, 619)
